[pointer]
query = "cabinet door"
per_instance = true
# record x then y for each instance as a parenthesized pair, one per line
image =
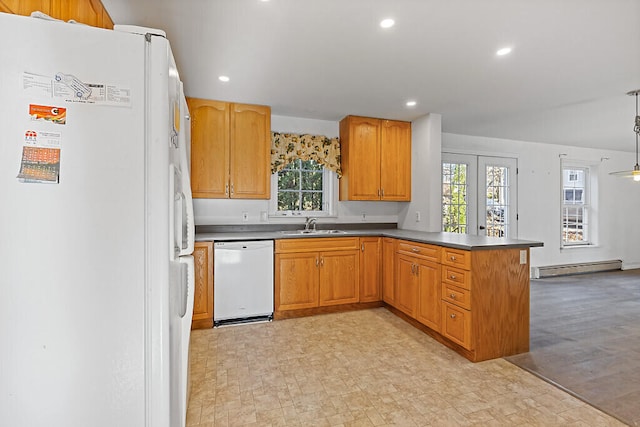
(89, 12)
(388, 270)
(360, 140)
(406, 285)
(209, 148)
(370, 269)
(250, 152)
(429, 294)
(339, 277)
(395, 160)
(296, 281)
(203, 286)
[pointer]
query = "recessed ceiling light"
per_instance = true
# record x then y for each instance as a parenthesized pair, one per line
(411, 103)
(503, 51)
(387, 23)
(223, 78)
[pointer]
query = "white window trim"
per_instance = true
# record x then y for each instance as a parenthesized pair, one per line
(590, 201)
(329, 190)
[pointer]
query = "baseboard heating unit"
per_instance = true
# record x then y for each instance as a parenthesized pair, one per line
(579, 268)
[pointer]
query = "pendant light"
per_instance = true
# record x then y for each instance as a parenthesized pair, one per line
(635, 173)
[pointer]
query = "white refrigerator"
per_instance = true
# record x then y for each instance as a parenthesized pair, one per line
(96, 227)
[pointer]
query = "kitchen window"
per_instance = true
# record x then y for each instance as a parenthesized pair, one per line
(576, 207)
(303, 188)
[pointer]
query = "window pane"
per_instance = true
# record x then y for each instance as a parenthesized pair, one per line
(289, 180)
(312, 201)
(454, 197)
(300, 187)
(575, 210)
(312, 181)
(288, 201)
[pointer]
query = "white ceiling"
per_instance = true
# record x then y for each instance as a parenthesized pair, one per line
(565, 82)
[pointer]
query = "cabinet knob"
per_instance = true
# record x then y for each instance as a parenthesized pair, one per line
(453, 258)
(416, 250)
(452, 296)
(453, 316)
(453, 277)
(226, 189)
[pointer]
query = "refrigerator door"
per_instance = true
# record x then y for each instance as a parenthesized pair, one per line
(73, 252)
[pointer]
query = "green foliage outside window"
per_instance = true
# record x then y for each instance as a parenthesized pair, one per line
(300, 186)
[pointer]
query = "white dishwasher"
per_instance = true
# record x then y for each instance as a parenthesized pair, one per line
(243, 281)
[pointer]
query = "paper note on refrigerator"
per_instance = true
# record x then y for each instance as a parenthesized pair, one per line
(40, 161)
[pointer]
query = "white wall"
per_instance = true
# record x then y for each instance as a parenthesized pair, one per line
(539, 180)
(426, 201)
(228, 211)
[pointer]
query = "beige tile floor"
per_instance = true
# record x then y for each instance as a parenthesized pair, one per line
(362, 368)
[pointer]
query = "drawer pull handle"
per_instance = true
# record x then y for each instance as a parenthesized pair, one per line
(453, 316)
(452, 296)
(416, 250)
(453, 277)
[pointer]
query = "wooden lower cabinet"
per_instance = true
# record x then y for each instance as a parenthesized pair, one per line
(370, 269)
(429, 294)
(316, 272)
(203, 287)
(476, 302)
(388, 270)
(297, 281)
(406, 289)
(338, 272)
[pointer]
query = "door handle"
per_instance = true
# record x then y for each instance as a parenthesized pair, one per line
(482, 227)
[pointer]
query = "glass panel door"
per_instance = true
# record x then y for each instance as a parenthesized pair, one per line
(498, 208)
(479, 195)
(459, 191)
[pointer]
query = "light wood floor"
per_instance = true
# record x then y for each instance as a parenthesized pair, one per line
(585, 337)
(363, 368)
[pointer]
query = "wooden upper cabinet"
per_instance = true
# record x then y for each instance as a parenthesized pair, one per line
(395, 161)
(25, 7)
(89, 12)
(250, 152)
(360, 154)
(376, 159)
(209, 148)
(230, 150)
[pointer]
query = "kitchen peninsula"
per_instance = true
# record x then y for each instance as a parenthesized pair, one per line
(470, 293)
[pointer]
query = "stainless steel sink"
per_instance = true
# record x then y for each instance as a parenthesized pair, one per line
(311, 232)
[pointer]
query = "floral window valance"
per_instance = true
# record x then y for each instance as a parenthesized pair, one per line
(287, 147)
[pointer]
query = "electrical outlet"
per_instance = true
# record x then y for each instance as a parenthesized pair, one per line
(417, 216)
(263, 216)
(245, 216)
(523, 257)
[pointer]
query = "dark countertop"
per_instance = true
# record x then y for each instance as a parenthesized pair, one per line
(450, 240)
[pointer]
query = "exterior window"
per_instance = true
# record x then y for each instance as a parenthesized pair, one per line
(575, 206)
(302, 188)
(454, 197)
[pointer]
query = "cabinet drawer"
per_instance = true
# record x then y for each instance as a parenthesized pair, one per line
(456, 325)
(316, 244)
(419, 250)
(455, 295)
(457, 277)
(457, 258)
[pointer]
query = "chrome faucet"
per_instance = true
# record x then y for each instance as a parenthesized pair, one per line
(309, 222)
